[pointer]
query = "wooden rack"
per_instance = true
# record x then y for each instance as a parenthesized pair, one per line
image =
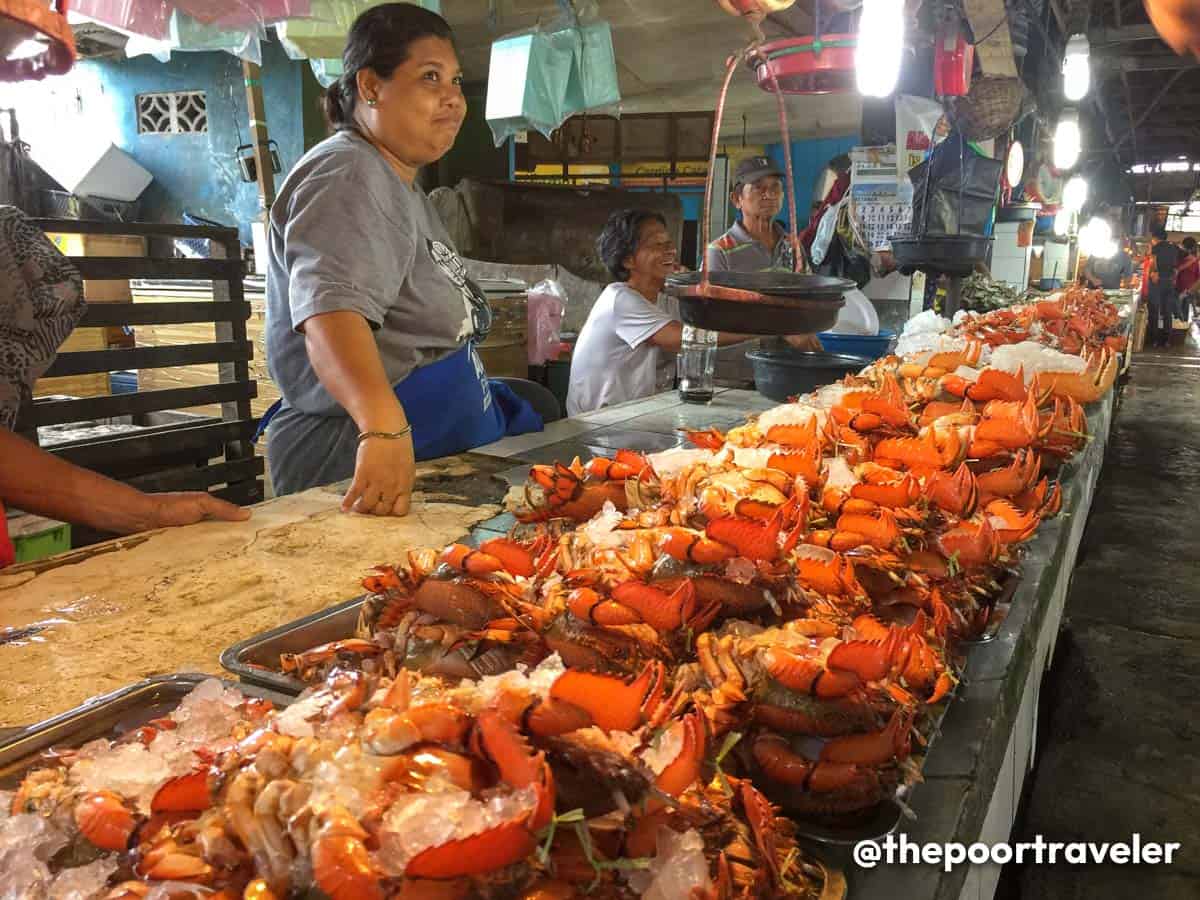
(205, 453)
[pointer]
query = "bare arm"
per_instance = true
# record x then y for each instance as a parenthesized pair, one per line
(39, 482)
(670, 337)
(343, 353)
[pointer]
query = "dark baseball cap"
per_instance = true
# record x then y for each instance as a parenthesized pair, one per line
(752, 168)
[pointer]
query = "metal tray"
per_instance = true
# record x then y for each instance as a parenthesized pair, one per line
(743, 317)
(109, 715)
(775, 284)
(256, 659)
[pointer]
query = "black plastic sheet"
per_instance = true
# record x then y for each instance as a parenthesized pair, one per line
(954, 190)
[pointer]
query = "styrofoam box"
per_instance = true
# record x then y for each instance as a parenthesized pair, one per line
(109, 172)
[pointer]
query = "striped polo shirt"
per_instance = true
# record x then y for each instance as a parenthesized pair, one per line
(738, 251)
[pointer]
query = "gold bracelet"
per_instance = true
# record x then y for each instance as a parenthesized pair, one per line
(386, 435)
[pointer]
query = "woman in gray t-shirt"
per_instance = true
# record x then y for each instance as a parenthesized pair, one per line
(365, 292)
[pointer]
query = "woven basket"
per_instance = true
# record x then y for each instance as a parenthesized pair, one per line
(990, 108)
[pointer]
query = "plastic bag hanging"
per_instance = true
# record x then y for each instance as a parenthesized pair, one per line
(528, 77)
(954, 191)
(593, 83)
(322, 33)
(147, 18)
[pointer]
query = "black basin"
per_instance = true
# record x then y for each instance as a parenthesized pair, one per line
(781, 374)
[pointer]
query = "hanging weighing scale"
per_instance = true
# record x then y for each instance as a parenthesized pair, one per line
(769, 303)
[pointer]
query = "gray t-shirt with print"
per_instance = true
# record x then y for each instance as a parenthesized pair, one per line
(346, 233)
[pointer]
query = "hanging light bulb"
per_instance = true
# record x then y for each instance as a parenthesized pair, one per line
(1062, 222)
(1096, 238)
(1074, 194)
(1067, 140)
(880, 45)
(1076, 69)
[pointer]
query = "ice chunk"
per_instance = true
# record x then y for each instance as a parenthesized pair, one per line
(753, 457)
(1035, 358)
(207, 715)
(416, 822)
(678, 868)
(601, 529)
(838, 474)
(926, 322)
(27, 841)
(669, 463)
(129, 770)
(294, 721)
(84, 883)
(665, 750)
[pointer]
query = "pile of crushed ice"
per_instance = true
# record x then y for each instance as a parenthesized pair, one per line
(678, 868)
(416, 822)
(27, 842)
(1035, 358)
(205, 719)
(601, 530)
(669, 463)
(521, 681)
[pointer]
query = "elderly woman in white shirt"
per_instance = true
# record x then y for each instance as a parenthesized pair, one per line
(620, 352)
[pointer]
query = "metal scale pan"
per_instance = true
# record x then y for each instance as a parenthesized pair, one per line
(756, 302)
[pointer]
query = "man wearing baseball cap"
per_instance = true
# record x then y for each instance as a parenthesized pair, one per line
(756, 242)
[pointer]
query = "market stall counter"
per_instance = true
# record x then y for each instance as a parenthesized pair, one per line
(170, 601)
(975, 769)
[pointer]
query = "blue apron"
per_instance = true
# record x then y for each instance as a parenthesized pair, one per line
(452, 407)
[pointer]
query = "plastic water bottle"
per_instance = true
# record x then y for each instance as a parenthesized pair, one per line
(697, 365)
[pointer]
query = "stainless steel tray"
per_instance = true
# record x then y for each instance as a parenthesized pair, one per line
(108, 715)
(256, 659)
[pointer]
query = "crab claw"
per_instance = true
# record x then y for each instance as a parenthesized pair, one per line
(661, 611)
(869, 660)
(808, 676)
(874, 748)
(473, 562)
(515, 559)
(612, 704)
(683, 771)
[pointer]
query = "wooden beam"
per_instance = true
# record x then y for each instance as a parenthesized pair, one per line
(1157, 62)
(111, 268)
(134, 229)
(110, 314)
(136, 449)
(60, 412)
(1122, 34)
(89, 362)
(259, 137)
(199, 478)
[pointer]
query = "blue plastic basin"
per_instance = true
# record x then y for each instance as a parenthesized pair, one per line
(870, 347)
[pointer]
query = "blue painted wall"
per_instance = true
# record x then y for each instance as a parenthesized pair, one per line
(808, 163)
(95, 105)
(199, 173)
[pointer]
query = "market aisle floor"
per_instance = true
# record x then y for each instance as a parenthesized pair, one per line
(1120, 735)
